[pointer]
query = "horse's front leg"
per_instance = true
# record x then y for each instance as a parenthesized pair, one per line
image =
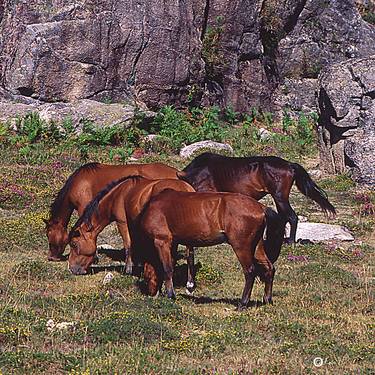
(190, 284)
(164, 250)
(124, 232)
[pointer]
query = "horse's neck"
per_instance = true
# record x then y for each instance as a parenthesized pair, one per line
(63, 215)
(107, 210)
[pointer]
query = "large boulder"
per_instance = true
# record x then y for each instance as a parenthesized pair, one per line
(346, 101)
(263, 53)
(320, 232)
(198, 147)
(78, 112)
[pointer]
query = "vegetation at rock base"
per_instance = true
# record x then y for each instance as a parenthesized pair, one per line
(36, 141)
(367, 10)
(323, 293)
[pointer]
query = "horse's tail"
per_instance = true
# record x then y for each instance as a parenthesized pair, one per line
(311, 190)
(275, 229)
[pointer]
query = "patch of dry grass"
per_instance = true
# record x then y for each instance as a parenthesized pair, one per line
(323, 305)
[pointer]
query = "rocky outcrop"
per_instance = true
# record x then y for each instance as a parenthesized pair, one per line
(198, 147)
(263, 53)
(346, 104)
(78, 112)
(320, 232)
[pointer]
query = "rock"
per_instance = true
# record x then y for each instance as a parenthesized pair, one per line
(105, 246)
(108, 278)
(346, 129)
(319, 232)
(190, 150)
(264, 53)
(100, 114)
(315, 174)
(264, 134)
(52, 326)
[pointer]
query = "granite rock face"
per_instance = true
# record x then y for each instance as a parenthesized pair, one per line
(346, 105)
(78, 112)
(244, 53)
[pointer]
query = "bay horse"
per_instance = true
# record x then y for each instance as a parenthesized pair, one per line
(206, 219)
(81, 187)
(256, 177)
(122, 201)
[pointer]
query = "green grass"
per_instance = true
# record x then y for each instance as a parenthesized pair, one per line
(323, 304)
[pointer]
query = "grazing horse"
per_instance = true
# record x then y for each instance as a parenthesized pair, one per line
(206, 219)
(81, 187)
(256, 177)
(121, 201)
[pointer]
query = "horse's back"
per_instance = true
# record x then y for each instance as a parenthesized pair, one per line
(201, 219)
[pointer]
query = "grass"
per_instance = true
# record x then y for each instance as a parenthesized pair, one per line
(323, 293)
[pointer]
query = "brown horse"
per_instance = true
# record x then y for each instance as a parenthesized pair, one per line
(256, 177)
(121, 201)
(206, 219)
(81, 187)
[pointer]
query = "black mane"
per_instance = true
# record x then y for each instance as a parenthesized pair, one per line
(56, 205)
(92, 207)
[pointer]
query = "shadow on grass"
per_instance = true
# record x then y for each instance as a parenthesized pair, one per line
(230, 301)
(114, 254)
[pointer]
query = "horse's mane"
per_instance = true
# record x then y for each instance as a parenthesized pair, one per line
(58, 201)
(92, 207)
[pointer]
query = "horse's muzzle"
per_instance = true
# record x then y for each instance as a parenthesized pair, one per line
(77, 270)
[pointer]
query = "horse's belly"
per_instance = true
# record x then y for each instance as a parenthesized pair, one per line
(203, 240)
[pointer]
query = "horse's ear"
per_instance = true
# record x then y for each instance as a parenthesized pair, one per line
(181, 175)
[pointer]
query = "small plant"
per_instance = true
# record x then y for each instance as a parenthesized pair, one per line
(367, 10)
(230, 115)
(211, 52)
(31, 126)
(340, 182)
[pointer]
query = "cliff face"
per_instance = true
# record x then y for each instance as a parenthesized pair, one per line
(346, 106)
(228, 52)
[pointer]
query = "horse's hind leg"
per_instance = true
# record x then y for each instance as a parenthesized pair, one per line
(190, 284)
(284, 208)
(164, 249)
(245, 255)
(267, 269)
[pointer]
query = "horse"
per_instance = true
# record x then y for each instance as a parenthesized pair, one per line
(122, 201)
(81, 187)
(256, 177)
(206, 219)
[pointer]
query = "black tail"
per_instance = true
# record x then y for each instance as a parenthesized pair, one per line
(311, 190)
(275, 229)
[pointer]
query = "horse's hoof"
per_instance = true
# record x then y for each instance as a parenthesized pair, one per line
(241, 307)
(190, 287)
(171, 295)
(129, 270)
(55, 258)
(267, 301)
(289, 241)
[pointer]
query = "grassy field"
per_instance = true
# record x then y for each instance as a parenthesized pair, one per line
(323, 296)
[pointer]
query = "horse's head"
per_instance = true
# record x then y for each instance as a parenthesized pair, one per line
(82, 250)
(199, 178)
(57, 239)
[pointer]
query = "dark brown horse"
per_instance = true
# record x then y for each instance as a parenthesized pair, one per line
(256, 177)
(121, 201)
(81, 187)
(206, 219)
